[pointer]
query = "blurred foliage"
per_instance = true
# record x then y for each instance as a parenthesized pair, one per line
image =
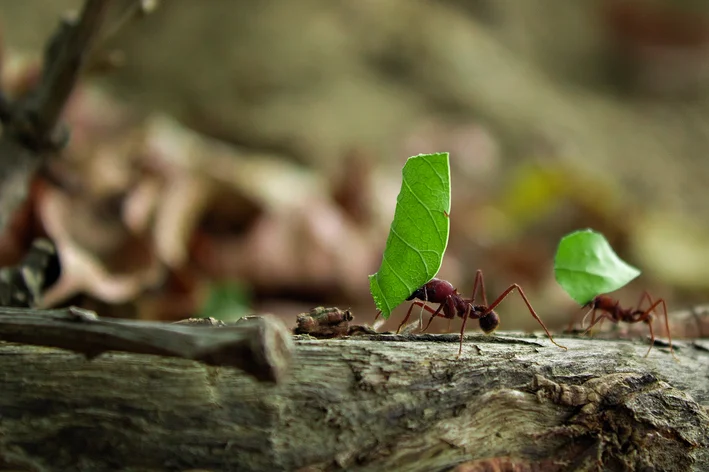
(227, 301)
(533, 191)
(290, 122)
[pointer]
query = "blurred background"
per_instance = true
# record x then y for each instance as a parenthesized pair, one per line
(235, 157)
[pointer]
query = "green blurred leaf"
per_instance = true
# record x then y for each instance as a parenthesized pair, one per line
(227, 301)
(533, 192)
(419, 233)
(586, 266)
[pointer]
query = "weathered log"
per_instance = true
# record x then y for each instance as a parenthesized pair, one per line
(371, 402)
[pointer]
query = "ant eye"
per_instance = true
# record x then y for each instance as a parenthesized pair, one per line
(489, 322)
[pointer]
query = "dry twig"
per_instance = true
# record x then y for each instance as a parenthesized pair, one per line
(260, 346)
(30, 126)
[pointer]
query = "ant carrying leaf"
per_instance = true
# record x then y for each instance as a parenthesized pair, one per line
(452, 304)
(604, 307)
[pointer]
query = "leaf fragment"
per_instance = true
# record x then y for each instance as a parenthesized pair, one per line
(419, 232)
(586, 266)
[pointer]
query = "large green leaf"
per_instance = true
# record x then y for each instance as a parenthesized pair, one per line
(419, 233)
(585, 266)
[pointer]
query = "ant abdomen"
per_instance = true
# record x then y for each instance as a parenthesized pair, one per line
(489, 322)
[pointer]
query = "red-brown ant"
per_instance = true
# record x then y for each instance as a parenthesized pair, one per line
(452, 304)
(611, 310)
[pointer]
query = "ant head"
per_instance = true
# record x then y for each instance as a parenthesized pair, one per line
(592, 303)
(418, 293)
(489, 322)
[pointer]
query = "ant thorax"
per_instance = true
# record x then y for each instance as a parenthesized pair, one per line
(435, 291)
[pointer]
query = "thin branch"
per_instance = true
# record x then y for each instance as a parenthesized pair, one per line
(64, 59)
(30, 125)
(5, 110)
(136, 9)
(260, 346)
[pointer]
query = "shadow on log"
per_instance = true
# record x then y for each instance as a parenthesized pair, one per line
(371, 402)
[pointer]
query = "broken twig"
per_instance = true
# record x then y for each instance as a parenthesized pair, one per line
(260, 346)
(30, 125)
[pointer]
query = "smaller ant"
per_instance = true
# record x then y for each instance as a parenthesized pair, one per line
(611, 310)
(452, 304)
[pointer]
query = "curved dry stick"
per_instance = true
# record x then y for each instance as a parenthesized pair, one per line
(260, 346)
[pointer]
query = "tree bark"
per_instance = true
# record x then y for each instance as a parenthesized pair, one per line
(370, 402)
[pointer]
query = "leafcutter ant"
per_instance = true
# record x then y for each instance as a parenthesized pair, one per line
(610, 309)
(452, 304)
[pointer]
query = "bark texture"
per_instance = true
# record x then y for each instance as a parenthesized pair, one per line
(369, 402)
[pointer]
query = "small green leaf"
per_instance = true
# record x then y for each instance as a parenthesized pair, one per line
(586, 266)
(227, 301)
(419, 233)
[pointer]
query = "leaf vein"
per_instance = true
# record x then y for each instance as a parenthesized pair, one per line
(428, 210)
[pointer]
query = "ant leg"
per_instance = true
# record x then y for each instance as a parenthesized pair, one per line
(509, 290)
(408, 313)
(652, 339)
(434, 314)
(406, 318)
(595, 321)
(379, 313)
(646, 314)
(652, 305)
(479, 284)
(462, 328)
(645, 295)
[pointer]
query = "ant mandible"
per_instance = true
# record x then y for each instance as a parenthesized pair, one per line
(611, 310)
(452, 304)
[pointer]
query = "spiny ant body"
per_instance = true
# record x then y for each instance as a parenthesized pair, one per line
(610, 309)
(452, 304)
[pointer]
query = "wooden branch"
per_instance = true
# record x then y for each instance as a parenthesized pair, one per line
(30, 126)
(64, 60)
(260, 346)
(371, 402)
